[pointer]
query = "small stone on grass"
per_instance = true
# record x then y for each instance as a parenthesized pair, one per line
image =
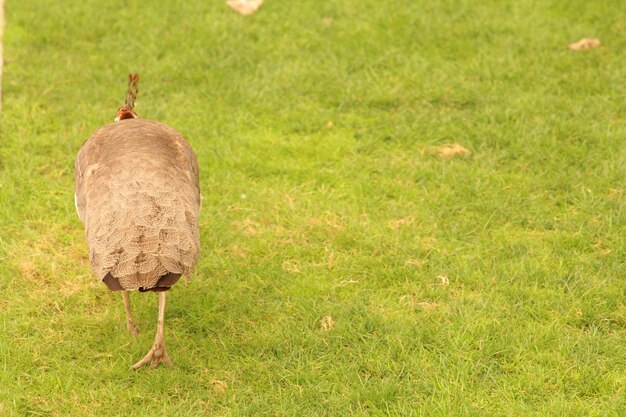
(245, 7)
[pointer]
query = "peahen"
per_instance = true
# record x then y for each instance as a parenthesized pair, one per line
(138, 195)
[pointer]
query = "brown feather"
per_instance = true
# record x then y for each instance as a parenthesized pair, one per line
(137, 192)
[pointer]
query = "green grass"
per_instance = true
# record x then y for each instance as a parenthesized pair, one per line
(356, 219)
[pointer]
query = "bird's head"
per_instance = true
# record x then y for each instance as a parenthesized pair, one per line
(124, 113)
(127, 111)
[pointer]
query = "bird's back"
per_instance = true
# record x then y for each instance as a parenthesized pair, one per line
(137, 192)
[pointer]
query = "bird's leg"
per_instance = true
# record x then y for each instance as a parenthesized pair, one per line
(157, 353)
(132, 328)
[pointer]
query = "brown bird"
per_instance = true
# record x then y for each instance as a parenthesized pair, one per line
(138, 195)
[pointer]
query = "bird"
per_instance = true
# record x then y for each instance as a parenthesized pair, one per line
(138, 196)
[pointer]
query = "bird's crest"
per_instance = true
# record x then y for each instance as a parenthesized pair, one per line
(127, 111)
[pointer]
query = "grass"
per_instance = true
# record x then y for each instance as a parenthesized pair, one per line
(491, 284)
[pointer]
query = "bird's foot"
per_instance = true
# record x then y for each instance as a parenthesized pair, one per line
(155, 356)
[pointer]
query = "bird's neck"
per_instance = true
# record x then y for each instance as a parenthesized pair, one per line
(125, 114)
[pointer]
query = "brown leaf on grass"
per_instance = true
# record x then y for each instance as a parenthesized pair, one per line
(327, 323)
(584, 43)
(245, 7)
(450, 151)
(219, 386)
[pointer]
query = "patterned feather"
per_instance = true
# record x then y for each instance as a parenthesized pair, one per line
(137, 193)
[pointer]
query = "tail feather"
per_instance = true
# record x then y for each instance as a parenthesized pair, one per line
(138, 255)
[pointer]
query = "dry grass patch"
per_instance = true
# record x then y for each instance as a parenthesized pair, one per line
(585, 43)
(327, 323)
(450, 151)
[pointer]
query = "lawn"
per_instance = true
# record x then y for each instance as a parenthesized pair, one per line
(346, 267)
